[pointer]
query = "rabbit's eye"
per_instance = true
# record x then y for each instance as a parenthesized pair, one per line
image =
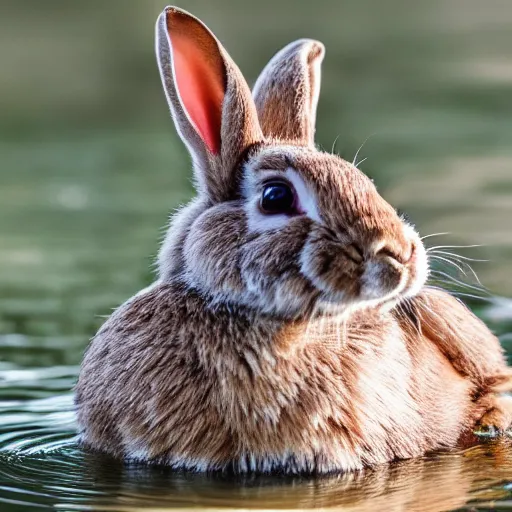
(277, 198)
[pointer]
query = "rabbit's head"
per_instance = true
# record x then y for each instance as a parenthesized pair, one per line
(277, 225)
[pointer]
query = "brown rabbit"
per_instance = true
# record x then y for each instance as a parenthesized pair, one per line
(290, 328)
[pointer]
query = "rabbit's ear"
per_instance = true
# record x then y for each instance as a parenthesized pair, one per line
(286, 92)
(210, 101)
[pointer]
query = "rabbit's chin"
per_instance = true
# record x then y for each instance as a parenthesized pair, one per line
(345, 306)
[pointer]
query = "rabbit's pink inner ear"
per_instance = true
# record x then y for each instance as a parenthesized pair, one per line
(200, 83)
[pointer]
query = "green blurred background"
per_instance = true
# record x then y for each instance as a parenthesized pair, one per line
(90, 164)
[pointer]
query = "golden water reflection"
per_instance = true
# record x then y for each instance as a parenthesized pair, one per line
(469, 480)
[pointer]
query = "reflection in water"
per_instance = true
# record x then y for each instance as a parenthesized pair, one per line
(41, 464)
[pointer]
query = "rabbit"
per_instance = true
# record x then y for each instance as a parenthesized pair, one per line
(291, 329)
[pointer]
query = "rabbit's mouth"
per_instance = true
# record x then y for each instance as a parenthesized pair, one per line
(379, 279)
(386, 279)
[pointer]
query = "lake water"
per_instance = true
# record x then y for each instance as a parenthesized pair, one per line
(90, 168)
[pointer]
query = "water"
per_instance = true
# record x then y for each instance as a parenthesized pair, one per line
(90, 168)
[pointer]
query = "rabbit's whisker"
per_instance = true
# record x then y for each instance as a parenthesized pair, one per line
(361, 147)
(333, 148)
(458, 256)
(477, 297)
(427, 307)
(462, 260)
(434, 234)
(453, 247)
(459, 283)
(412, 306)
(441, 258)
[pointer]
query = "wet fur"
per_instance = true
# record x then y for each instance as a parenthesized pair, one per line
(313, 347)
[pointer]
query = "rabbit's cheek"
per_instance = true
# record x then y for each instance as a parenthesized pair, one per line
(327, 267)
(211, 250)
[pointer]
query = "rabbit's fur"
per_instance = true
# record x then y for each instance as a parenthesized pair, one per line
(293, 343)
